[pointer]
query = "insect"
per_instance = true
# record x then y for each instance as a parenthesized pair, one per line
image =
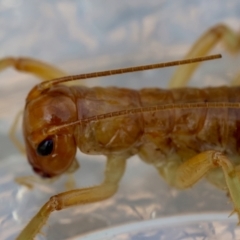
(183, 132)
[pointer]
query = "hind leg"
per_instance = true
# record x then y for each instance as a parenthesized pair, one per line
(202, 47)
(186, 174)
(236, 81)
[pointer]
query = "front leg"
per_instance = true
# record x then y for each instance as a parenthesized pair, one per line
(114, 171)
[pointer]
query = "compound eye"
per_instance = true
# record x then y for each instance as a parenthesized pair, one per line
(45, 147)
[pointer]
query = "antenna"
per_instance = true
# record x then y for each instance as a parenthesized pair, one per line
(47, 84)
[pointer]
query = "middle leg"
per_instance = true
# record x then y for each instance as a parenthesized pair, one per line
(219, 33)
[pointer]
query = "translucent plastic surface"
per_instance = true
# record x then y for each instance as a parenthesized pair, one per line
(85, 36)
(201, 226)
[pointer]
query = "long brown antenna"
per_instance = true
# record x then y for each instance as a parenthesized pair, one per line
(162, 107)
(45, 85)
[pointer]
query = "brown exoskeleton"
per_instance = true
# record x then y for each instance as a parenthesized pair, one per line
(183, 132)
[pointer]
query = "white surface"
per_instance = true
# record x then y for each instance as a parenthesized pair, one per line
(201, 226)
(84, 36)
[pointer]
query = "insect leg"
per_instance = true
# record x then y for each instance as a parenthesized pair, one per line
(236, 81)
(70, 183)
(12, 134)
(219, 33)
(114, 171)
(28, 181)
(189, 172)
(40, 69)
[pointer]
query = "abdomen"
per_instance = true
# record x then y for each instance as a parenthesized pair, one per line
(186, 132)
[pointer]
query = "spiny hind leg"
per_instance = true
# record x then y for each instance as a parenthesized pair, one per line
(219, 33)
(184, 175)
(113, 173)
(42, 70)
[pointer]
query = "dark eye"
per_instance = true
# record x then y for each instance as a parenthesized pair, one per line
(45, 147)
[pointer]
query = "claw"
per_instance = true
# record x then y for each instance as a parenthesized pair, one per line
(238, 218)
(234, 211)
